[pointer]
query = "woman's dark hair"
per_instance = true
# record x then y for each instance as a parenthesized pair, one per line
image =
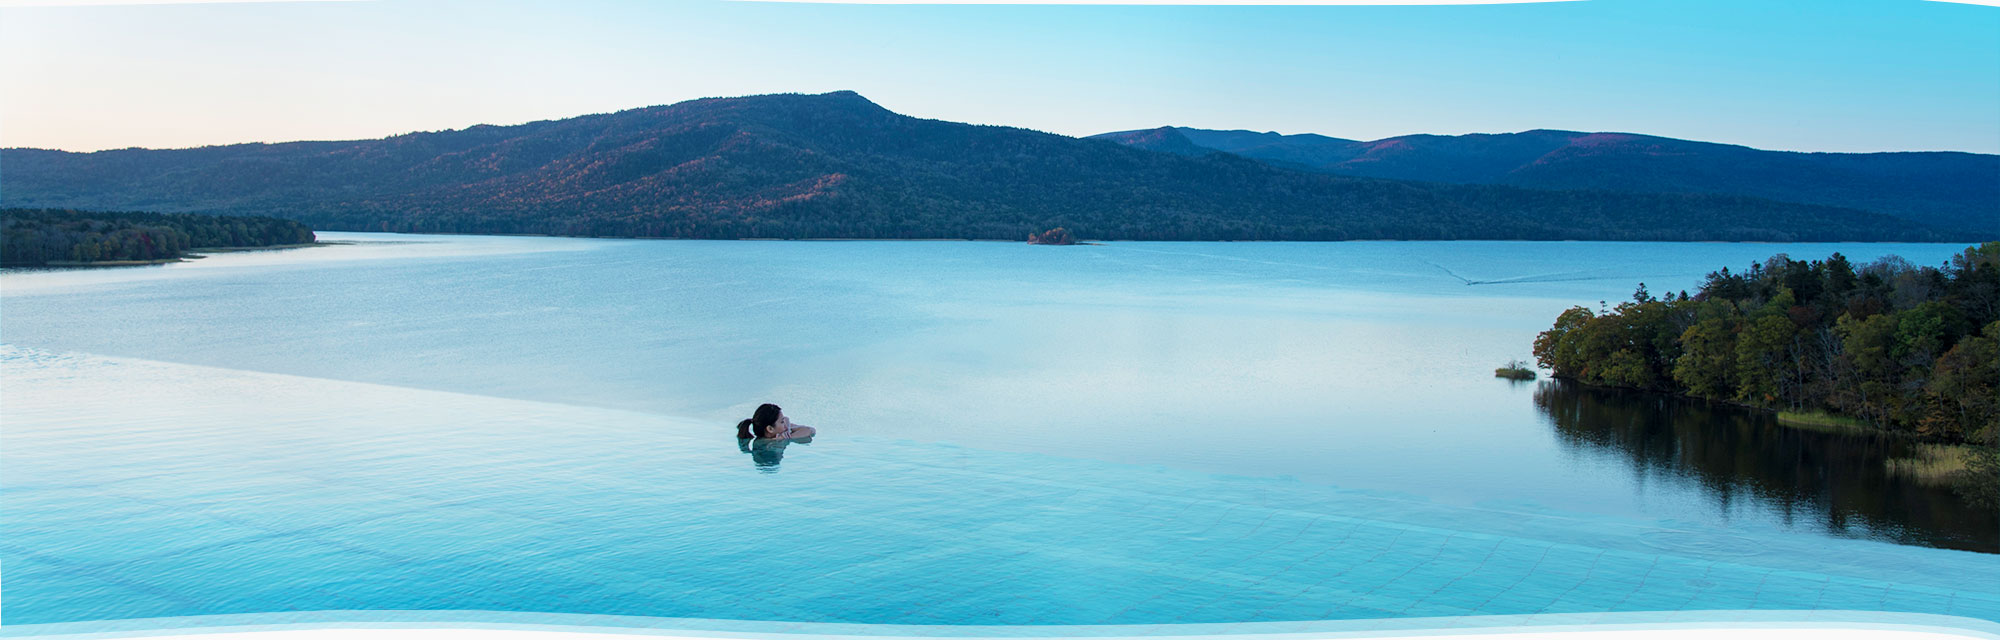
(766, 415)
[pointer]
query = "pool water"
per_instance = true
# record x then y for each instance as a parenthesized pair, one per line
(421, 500)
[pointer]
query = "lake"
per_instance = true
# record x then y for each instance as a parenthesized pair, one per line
(1126, 433)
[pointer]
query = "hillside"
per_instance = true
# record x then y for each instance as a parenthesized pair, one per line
(838, 166)
(1939, 189)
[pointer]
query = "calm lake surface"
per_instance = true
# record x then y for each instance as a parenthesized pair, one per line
(1135, 433)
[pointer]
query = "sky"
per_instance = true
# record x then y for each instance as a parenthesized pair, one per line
(1819, 75)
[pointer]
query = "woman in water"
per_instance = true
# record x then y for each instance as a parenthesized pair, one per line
(766, 434)
(770, 422)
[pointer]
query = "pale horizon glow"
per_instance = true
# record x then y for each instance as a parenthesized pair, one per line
(1852, 76)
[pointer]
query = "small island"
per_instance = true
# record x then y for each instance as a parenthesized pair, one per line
(1515, 370)
(1058, 236)
(71, 238)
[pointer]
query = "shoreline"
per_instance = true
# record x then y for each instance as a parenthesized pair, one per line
(1802, 421)
(189, 255)
(1828, 422)
(209, 250)
(1102, 241)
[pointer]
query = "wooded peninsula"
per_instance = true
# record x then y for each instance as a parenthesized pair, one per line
(1887, 345)
(63, 237)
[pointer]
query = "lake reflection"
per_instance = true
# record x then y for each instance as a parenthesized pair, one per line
(1736, 455)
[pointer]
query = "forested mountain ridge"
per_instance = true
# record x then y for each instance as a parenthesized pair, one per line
(1939, 189)
(838, 166)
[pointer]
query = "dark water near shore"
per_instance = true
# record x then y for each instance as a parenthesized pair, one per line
(1832, 480)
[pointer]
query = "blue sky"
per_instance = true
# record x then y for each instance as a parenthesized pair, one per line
(1825, 75)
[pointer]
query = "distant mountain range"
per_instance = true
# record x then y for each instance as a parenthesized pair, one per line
(1946, 190)
(838, 166)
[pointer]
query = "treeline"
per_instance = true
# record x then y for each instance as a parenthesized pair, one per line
(1905, 348)
(39, 237)
(1097, 191)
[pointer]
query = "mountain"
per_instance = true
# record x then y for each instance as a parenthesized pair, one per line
(837, 165)
(1940, 189)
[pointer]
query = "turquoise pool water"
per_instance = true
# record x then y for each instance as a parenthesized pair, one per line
(419, 500)
(1132, 434)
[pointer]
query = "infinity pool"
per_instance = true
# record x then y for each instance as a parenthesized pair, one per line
(358, 496)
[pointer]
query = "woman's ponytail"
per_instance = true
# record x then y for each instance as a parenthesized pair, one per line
(765, 416)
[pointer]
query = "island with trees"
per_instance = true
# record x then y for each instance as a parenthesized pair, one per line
(1058, 236)
(1515, 370)
(64, 237)
(1890, 346)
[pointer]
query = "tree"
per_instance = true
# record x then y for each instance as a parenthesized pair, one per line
(1706, 364)
(1760, 358)
(1558, 348)
(1965, 386)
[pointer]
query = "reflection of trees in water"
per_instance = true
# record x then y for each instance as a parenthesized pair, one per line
(1839, 480)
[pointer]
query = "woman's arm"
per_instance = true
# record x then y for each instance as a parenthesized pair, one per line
(800, 431)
